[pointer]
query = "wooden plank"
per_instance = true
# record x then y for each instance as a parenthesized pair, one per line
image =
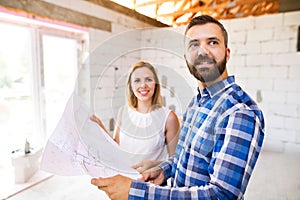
(183, 5)
(216, 7)
(148, 3)
(128, 12)
(289, 5)
(48, 10)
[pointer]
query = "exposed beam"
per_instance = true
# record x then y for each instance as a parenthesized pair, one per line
(48, 10)
(183, 5)
(128, 12)
(218, 6)
(182, 12)
(221, 9)
(289, 5)
(148, 3)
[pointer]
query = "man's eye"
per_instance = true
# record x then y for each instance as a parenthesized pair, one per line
(194, 44)
(212, 43)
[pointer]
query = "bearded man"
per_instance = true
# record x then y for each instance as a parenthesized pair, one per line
(221, 135)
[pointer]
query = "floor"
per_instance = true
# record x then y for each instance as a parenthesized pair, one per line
(276, 177)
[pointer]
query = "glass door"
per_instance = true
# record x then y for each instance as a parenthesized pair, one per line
(16, 94)
(38, 71)
(60, 61)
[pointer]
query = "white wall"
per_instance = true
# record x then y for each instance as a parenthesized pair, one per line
(107, 50)
(121, 51)
(266, 63)
(263, 59)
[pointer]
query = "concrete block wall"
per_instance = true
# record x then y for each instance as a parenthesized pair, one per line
(163, 48)
(108, 59)
(156, 46)
(266, 63)
(263, 59)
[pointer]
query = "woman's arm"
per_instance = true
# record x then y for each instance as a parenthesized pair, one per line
(99, 122)
(172, 132)
(94, 118)
(116, 136)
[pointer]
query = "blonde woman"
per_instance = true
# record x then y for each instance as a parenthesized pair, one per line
(145, 129)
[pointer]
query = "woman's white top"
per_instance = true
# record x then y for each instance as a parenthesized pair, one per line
(142, 135)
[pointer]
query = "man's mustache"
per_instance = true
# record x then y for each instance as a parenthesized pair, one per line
(204, 59)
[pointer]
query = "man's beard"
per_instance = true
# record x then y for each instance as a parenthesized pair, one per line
(207, 74)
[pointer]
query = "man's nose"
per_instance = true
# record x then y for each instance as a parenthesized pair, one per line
(202, 50)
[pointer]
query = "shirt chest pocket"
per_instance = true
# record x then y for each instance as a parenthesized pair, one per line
(203, 143)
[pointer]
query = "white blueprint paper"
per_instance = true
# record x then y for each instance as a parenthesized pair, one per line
(79, 146)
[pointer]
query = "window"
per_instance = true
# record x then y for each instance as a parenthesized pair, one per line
(38, 70)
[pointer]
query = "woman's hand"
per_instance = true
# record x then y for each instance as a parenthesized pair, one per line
(145, 164)
(94, 118)
(154, 175)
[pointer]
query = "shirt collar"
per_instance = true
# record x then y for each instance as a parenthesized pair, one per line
(216, 88)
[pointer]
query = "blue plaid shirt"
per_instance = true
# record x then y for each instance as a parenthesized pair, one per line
(220, 140)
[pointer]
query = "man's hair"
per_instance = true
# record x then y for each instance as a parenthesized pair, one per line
(132, 99)
(204, 19)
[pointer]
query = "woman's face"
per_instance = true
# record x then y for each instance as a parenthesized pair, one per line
(143, 84)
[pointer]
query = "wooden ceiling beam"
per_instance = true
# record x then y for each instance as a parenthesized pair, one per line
(267, 8)
(182, 12)
(180, 8)
(191, 7)
(42, 9)
(220, 9)
(183, 5)
(216, 7)
(126, 11)
(151, 3)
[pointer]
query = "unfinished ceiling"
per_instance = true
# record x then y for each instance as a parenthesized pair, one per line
(178, 12)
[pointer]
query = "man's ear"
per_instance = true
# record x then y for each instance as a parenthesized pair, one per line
(227, 54)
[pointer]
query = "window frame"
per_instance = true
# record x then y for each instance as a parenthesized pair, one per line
(38, 29)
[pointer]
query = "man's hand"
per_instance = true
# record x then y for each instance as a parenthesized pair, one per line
(116, 187)
(154, 175)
